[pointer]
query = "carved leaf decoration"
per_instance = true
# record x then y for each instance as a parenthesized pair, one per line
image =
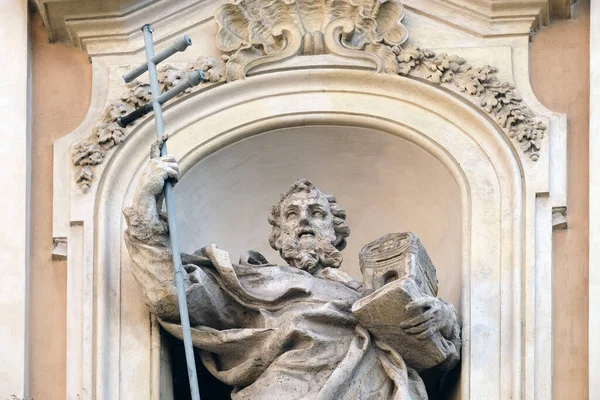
(499, 99)
(313, 15)
(363, 33)
(435, 76)
(138, 96)
(388, 29)
(87, 153)
(489, 101)
(364, 24)
(119, 109)
(84, 177)
(233, 30)
(406, 67)
(168, 77)
(387, 56)
(469, 83)
(103, 133)
(409, 59)
(531, 146)
(214, 68)
(248, 23)
(107, 134)
(267, 18)
(442, 68)
(447, 76)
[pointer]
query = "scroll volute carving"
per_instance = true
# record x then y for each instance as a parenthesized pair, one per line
(253, 32)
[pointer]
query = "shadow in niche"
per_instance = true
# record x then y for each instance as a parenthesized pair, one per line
(442, 386)
(438, 387)
(210, 387)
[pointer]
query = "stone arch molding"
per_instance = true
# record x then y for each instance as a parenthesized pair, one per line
(348, 72)
(256, 35)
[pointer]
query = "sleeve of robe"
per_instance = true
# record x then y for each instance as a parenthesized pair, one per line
(150, 251)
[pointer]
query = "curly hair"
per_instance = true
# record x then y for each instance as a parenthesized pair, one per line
(341, 228)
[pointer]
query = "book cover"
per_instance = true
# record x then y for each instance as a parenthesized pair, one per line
(396, 271)
(381, 313)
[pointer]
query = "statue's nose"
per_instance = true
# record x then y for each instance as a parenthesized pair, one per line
(303, 218)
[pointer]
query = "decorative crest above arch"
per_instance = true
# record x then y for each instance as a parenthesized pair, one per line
(255, 33)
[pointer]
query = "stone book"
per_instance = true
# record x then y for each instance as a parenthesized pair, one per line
(396, 271)
(381, 313)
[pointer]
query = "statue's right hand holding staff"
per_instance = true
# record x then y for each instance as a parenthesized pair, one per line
(149, 192)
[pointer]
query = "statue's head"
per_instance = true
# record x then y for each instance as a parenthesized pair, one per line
(309, 228)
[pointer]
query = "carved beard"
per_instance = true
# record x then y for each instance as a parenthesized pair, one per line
(308, 253)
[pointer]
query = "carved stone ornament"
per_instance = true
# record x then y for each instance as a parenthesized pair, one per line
(251, 30)
(499, 99)
(257, 32)
(107, 134)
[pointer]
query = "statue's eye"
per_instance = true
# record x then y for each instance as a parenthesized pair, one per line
(290, 214)
(318, 214)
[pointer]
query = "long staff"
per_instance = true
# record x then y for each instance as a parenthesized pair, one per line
(157, 100)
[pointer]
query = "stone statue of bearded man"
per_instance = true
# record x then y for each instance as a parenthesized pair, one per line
(278, 332)
(309, 228)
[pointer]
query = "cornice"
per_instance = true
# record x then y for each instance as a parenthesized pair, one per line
(118, 32)
(113, 25)
(485, 18)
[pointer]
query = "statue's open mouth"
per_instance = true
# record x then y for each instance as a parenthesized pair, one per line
(306, 233)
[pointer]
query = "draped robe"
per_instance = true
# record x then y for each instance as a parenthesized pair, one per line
(271, 332)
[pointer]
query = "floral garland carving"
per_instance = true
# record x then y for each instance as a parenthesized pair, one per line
(499, 99)
(252, 33)
(107, 134)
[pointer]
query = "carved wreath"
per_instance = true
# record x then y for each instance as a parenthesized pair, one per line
(256, 32)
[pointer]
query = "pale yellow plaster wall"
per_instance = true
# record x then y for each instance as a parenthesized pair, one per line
(61, 80)
(61, 88)
(560, 79)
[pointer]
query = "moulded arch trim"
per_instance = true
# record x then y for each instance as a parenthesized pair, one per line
(277, 85)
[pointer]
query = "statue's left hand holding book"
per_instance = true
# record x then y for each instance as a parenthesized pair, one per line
(400, 305)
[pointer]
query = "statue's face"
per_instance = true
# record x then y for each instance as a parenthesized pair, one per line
(307, 232)
(307, 217)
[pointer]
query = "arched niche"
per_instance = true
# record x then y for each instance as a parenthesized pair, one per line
(385, 183)
(504, 227)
